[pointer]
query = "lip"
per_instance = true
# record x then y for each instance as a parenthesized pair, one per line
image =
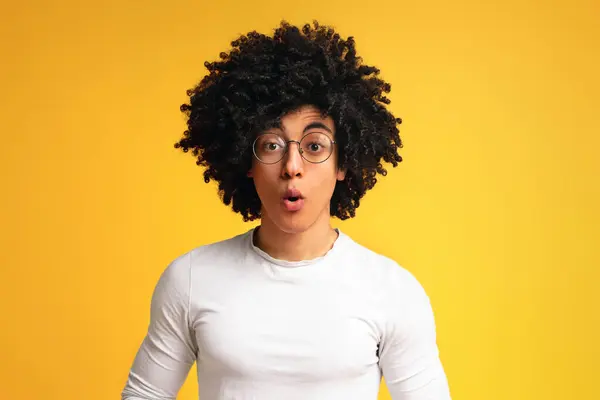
(292, 205)
(292, 192)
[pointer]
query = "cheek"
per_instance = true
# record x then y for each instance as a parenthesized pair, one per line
(325, 184)
(265, 178)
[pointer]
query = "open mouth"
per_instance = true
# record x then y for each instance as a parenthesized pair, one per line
(293, 195)
(293, 200)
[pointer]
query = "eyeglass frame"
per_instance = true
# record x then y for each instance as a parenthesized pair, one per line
(287, 147)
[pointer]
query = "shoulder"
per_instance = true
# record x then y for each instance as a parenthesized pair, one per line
(391, 278)
(401, 297)
(207, 256)
(225, 249)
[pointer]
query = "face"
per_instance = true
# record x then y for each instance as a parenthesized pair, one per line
(295, 193)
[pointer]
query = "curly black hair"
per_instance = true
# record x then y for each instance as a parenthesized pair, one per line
(261, 79)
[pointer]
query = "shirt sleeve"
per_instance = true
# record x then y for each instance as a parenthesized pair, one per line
(168, 350)
(409, 356)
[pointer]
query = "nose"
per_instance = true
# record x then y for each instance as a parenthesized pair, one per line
(293, 163)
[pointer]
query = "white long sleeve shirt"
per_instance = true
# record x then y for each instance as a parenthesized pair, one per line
(260, 328)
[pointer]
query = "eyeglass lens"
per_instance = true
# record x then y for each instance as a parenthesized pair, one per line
(315, 147)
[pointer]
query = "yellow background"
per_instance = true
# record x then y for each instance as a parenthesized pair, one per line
(494, 208)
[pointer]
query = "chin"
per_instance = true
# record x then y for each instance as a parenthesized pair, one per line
(293, 222)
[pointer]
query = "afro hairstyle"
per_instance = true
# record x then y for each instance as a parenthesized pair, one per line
(259, 80)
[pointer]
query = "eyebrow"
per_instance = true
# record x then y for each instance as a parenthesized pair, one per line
(315, 124)
(312, 125)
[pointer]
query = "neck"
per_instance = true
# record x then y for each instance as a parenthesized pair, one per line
(312, 243)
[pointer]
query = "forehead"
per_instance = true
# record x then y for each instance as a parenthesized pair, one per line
(295, 121)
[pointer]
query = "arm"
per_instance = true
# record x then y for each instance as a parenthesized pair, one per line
(168, 351)
(409, 356)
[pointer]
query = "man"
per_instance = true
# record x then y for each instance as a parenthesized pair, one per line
(294, 128)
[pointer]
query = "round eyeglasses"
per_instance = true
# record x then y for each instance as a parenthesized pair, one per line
(315, 147)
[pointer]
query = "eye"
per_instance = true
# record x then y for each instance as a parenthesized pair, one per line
(314, 147)
(271, 146)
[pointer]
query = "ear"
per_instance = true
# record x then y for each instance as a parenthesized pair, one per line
(341, 174)
(249, 173)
